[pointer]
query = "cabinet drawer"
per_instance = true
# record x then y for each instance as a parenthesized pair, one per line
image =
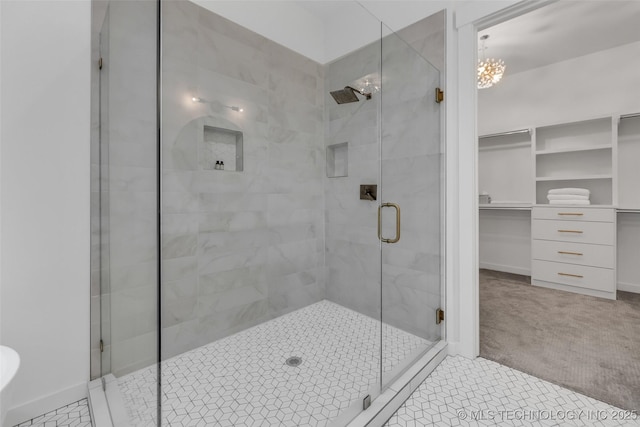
(574, 214)
(574, 253)
(601, 279)
(600, 233)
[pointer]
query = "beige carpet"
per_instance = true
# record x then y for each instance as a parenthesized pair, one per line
(587, 344)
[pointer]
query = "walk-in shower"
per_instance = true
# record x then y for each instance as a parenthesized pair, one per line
(240, 275)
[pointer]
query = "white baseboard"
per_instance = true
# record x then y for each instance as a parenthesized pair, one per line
(575, 289)
(629, 287)
(506, 268)
(452, 348)
(35, 408)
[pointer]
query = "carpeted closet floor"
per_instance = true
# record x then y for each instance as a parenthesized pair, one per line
(587, 344)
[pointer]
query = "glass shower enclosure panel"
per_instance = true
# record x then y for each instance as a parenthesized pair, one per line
(410, 220)
(124, 212)
(101, 340)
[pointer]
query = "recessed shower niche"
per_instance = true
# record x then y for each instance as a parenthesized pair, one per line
(338, 160)
(221, 149)
(203, 141)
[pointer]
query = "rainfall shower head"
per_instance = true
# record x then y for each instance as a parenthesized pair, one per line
(348, 94)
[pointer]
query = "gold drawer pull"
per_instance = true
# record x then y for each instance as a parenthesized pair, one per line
(571, 213)
(570, 231)
(571, 275)
(569, 253)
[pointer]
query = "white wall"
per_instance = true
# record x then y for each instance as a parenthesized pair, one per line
(45, 200)
(342, 28)
(599, 84)
(505, 240)
(297, 28)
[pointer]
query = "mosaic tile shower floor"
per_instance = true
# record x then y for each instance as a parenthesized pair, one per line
(243, 379)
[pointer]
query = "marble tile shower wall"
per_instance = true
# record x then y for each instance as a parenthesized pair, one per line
(238, 248)
(411, 174)
(352, 247)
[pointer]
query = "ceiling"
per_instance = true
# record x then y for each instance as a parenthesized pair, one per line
(322, 30)
(561, 31)
(327, 29)
(325, 10)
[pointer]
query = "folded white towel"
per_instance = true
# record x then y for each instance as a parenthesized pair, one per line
(576, 191)
(566, 197)
(569, 202)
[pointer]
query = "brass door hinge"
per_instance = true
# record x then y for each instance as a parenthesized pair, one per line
(439, 316)
(100, 64)
(439, 95)
(101, 346)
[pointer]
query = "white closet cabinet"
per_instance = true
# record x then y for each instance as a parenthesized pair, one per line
(574, 249)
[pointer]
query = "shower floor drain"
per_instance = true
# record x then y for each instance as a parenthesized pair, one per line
(294, 361)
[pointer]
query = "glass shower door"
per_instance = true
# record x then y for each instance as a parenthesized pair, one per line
(410, 219)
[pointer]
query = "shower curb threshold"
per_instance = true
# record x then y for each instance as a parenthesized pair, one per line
(388, 403)
(108, 409)
(106, 406)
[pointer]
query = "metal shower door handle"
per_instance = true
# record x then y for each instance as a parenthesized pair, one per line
(397, 208)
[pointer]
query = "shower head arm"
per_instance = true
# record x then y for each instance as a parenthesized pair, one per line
(367, 95)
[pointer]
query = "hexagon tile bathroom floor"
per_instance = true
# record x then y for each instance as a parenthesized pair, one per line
(479, 392)
(75, 414)
(459, 392)
(244, 379)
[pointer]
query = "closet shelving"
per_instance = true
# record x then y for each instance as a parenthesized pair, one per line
(506, 169)
(600, 154)
(574, 149)
(515, 206)
(576, 154)
(628, 167)
(573, 177)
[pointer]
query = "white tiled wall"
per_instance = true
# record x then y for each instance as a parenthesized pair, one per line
(239, 248)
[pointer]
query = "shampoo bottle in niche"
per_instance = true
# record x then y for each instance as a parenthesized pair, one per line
(217, 166)
(221, 165)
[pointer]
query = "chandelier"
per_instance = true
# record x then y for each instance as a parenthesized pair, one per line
(490, 70)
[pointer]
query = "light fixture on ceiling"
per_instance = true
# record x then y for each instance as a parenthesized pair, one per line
(490, 70)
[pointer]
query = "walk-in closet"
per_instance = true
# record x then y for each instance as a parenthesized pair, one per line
(559, 198)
